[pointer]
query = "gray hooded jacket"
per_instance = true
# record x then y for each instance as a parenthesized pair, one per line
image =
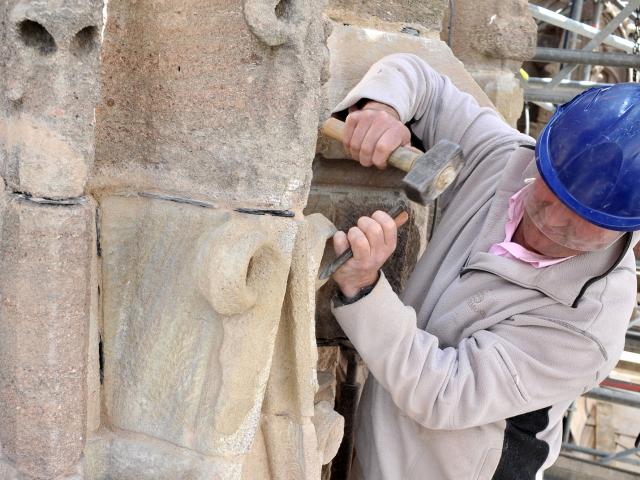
(474, 365)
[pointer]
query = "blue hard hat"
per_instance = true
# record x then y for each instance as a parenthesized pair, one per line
(589, 156)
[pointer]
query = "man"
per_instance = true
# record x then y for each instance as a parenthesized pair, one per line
(522, 298)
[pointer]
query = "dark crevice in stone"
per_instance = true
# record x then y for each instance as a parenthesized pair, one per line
(50, 201)
(261, 211)
(36, 36)
(171, 198)
(101, 360)
(283, 8)
(85, 41)
(98, 245)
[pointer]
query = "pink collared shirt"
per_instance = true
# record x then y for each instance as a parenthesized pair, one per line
(514, 250)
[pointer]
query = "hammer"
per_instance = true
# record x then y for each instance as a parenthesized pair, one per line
(428, 174)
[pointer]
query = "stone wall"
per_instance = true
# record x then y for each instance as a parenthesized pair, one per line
(49, 62)
(493, 38)
(165, 206)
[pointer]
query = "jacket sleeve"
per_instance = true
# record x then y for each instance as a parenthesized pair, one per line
(521, 364)
(436, 109)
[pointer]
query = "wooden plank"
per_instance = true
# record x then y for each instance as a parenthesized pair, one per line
(605, 433)
(568, 467)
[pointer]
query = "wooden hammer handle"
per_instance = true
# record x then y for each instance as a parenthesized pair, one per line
(402, 157)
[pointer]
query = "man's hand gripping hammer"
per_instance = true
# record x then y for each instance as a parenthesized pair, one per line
(428, 175)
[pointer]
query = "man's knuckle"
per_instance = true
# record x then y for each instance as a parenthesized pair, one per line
(366, 150)
(363, 221)
(386, 146)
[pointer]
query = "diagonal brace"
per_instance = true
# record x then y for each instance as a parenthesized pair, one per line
(597, 40)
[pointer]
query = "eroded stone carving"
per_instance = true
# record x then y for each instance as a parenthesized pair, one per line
(50, 77)
(276, 21)
(209, 345)
(191, 310)
(297, 437)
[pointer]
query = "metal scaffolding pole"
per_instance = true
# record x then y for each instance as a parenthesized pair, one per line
(576, 14)
(605, 457)
(578, 85)
(585, 30)
(630, 399)
(552, 96)
(609, 59)
(597, 15)
(599, 38)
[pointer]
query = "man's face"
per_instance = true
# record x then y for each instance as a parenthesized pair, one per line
(553, 230)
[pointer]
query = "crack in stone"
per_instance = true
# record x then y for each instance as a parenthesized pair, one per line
(50, 201)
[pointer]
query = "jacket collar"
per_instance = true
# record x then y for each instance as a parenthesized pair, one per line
(564, 282)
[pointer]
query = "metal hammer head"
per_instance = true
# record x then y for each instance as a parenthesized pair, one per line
(433, 172)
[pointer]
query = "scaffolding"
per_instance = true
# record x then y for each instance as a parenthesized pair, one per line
(554, 90)
(583, 47)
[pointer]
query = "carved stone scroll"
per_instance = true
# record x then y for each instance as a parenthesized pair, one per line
(192, 301)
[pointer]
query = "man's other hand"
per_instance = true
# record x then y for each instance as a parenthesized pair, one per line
(373, 133)
(372, 241)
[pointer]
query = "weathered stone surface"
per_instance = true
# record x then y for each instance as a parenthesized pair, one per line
(192, 303)
(130, 456)
(328, 361)
(353, 50)
(493, 31)
(7, 472)
(493, 38)
(49, 65)
(45, 278)
(292, 383)
(93, 354)
(293, 446)
(389, 14)
(504, 90)
(197, 101)
(343, 204)
(329, 426)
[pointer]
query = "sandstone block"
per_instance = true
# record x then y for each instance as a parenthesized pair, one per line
(329, 426)
(7, 472)
(192, 303)
(295, 435)
(353, 50)
(45, 278)
(217, 100)
(504, 90)
(49, 65)
(328, 362)
(129, 456)
(343, 204)
(93, 355)
(501, 32)
(292, 382)
(384, 15)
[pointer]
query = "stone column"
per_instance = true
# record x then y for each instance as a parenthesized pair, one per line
(49, 59)
(205, 140)
(493, 38)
